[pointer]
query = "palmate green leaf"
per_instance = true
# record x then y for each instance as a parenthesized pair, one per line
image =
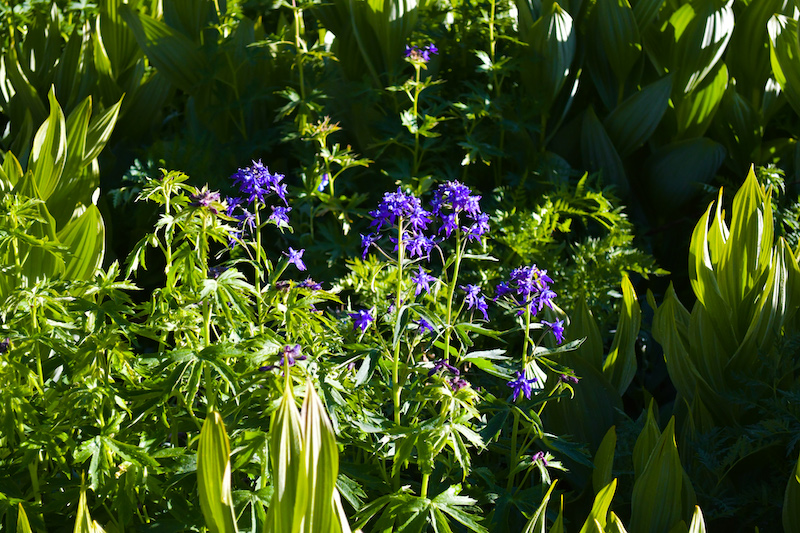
(702, 30)
(85, 241)
(214, 475)
(784, 56)
(675, 172)
(620, 364)
(459, 508)
(604, 461)
(656, 502)
(619, 34)
(635, 119)
(695, 111)
(599, 154)
(790, 517)
(551, 49)
(49, 152)
(175, 56)
(599, 512)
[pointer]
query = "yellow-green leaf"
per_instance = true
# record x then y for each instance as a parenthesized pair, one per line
(791, 502)
(784, 56)
(695, 111)
(604, 460)
(214, 475)
(620, 364)
(85, 240)
(23, 525)
(49, 152)
(599, 512)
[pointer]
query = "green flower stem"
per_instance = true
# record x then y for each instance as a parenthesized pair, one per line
(396, 387)
(526, 340)
(424, 490)
(448, 330)
(417, 91)
(259, 272)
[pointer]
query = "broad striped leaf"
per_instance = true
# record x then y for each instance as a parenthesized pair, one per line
(635, 119)
(49, 152)
(619, 35)
(604, 461)
(23, 525)
(214, 475)
(698, 524)
(620, 364)
(599, 154)
(84, 238)
(695, 111)
(599, 512)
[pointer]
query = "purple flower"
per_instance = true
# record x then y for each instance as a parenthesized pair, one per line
(295, 258)
(397, 204)
(232, 202)
(323, 183)
(531, 287)
(310, 284)
(205, 198)
(422, 280)
(457, 383)
(367, 241)
(257, 182)
(521, 385)
(291, 354)
(478, 228)
(415, 53)
(557, 328)
(419, 245)
(473, 299)
(362, 319)
(443, 364)
(566, 378)
(424, 325)
(280, 215)
(539, 456)
(4, 345)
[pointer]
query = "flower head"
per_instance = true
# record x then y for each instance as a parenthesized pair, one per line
(398, 204)
(457, 383)
(422, 280)
(557, 328)
(423, 55)
(208, 199)
(424, 326)
(521, 385)
(473, 299)
(442, 364)
(257, 182)
(529, 288)
(295, 258)
(291, 354)
(362, 319)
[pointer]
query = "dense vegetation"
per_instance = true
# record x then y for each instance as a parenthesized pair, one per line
(530, 265)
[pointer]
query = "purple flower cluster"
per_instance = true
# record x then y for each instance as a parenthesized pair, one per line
(362, 319)
(291, 354)
(454, 201)
(474, 300)
(415, 53)
(207, 199)
(528, 287)
(521, 385)
(257, 182)
(394, 207)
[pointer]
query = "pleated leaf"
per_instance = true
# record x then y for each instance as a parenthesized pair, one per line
(791, 502)
(645, 11)
(175, 56)
(702, 30)
(634, 120)
(23, 525)
(599, 154)
(675, 172)
(214, 475)
(289, 478)
(656, 502)
(619, 34)
(645, 442)
(49, 152)
(620, 364)
(695, 111)
(698, 524)
(604, 461)
(85, 239)
(784, 56)
(583, 326)
(551, 49)
(321, 464)
(598, 516)
(538, 520)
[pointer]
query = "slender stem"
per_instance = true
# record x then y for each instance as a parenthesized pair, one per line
(526, 340)
(417, 91)
(424, 490)
(459, 253)
(259, 273)
(396, 388)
